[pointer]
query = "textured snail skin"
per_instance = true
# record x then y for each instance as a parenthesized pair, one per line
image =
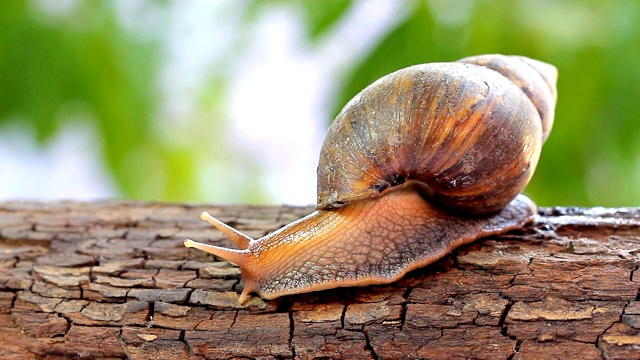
(372, 241)
(420, 162)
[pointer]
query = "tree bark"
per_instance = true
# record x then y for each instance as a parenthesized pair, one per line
(113, 280)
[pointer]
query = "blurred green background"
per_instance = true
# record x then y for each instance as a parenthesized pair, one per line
(156, 104)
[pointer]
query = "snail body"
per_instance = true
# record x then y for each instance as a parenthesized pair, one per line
(420, 162)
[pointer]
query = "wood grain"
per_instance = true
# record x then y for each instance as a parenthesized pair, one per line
(112, 280)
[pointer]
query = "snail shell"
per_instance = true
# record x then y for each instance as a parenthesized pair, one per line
(420, 162)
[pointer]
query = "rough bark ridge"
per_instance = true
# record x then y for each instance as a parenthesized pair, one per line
(112, 280)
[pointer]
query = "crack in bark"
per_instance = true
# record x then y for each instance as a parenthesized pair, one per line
(123, 343)
(403, 306)
(235, 317)
(368, 346)
(503, 318)
(516, 349)
(598, 344)
(150, 314)
(291, 332)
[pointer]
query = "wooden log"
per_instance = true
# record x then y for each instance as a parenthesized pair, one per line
(113, 280)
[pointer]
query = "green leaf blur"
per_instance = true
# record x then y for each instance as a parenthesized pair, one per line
(85, 66)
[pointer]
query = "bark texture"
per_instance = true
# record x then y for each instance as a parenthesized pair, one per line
(112, 280)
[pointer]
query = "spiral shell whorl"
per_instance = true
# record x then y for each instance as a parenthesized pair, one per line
(469, 134)
(535, 78)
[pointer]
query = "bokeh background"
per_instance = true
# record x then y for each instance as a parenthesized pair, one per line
(229, 101)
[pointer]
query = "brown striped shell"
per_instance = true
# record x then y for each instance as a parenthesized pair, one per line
(470, 132)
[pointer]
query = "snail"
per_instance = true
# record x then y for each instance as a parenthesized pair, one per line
(423, 160)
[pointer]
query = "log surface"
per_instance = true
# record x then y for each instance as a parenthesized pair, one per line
(113, 280)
